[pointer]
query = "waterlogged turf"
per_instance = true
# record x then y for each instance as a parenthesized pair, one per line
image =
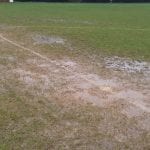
(111, 29)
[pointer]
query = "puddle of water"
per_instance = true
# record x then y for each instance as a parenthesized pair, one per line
(127, 65)
(39, 39)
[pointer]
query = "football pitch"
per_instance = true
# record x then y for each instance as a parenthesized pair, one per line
(74, 76)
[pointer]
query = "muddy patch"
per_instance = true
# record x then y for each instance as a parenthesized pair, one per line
(127, 65)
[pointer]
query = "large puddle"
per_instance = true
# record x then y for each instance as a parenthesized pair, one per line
(127, 65)
(41, 39)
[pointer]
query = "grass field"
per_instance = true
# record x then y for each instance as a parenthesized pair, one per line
(103, 28)
(74, 76)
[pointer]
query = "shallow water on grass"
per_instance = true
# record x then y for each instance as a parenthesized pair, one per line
(41, 39)
(127, 65)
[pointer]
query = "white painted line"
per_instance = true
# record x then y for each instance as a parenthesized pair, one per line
(22, 47)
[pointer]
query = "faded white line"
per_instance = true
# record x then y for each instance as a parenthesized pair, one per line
(22, 47)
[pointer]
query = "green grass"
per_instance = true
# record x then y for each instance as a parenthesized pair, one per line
(111, 29)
